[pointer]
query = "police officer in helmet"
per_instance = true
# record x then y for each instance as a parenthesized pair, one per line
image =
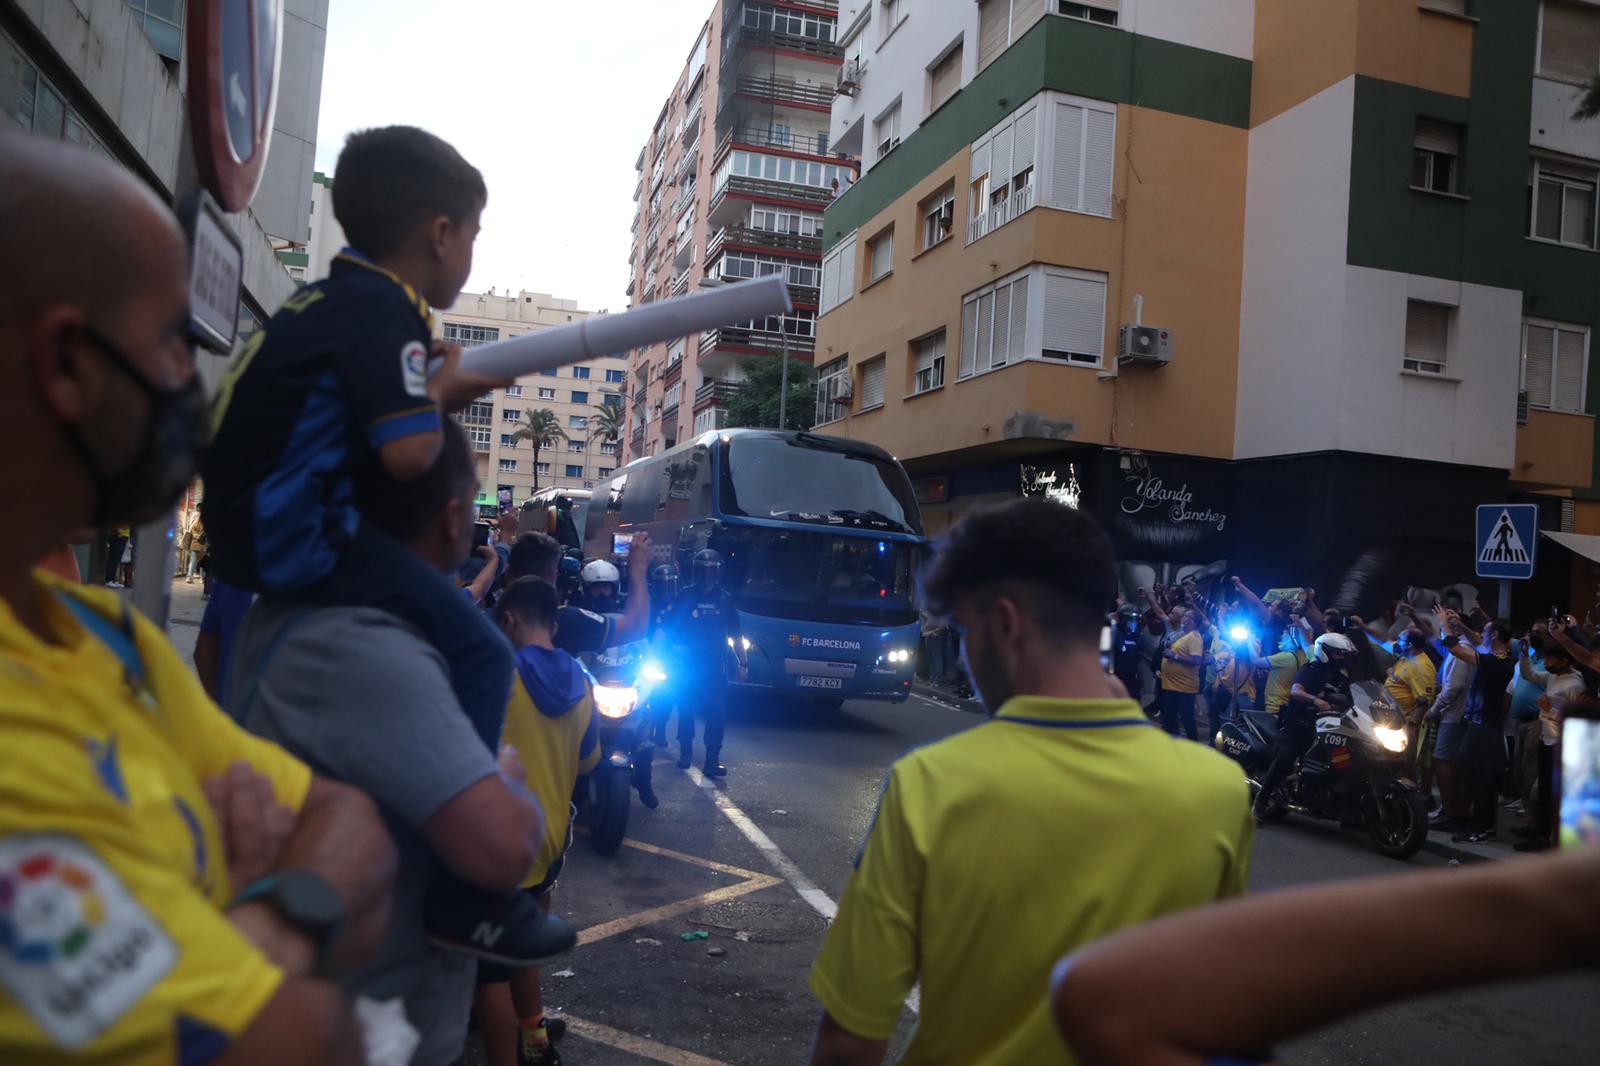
(702, 629)
(663, 583)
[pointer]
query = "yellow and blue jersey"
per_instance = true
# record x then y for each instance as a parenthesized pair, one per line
(340, 371)
(114, 945)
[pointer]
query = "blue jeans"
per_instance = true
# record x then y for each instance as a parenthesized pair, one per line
(1178, 708)
(378, 571)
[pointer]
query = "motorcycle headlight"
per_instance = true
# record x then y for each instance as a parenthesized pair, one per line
(614, 701)
(1392, 739)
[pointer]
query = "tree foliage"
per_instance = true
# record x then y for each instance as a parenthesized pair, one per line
(756, 402)
(543, 428)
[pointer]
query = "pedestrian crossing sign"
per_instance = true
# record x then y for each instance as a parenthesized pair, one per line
(1507, 536)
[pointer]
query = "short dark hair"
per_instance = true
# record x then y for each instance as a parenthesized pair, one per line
(533, 555)
(531, 599)
(1053, 559)
(391, 179)
(403, 509)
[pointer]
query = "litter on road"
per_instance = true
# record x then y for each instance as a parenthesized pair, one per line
(565, 973)
(716, 953)
(698, 934)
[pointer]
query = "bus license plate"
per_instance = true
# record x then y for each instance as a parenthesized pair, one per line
(806, 681)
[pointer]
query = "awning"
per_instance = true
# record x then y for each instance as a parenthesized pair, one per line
(1581, 543)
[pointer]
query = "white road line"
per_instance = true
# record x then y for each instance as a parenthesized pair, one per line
(806, 888)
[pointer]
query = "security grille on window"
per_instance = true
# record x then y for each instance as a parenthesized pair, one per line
(833, 380)
(1564, 203)
(1074, 317)
(994, 323)
(880, 252)
(1436, 156)
(547, 394)
(1569, 42)
(928, 359)
(1101, 11)
(872, 376)
(887, 129)
(938, 218)
(1555, 358)
(470, 336)
(1427, 336)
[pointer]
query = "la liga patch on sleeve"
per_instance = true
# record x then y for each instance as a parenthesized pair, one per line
(414, 368)
(77, 950)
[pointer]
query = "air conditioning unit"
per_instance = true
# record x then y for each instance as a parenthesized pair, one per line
(842, 389)
(887, 145)
(849, 80)
(1522, 407)
(1144, 344)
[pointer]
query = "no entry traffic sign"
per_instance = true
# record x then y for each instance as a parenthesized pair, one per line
(233, 52)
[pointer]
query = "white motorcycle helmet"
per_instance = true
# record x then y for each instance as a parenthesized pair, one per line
(600, 572)
(1331, 646)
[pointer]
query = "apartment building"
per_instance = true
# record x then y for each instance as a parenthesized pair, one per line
(1279, 288)
(732, 184)
(581, 455)
(107, 74)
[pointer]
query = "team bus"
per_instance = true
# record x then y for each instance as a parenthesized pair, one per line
(819, 537)
(560, 512)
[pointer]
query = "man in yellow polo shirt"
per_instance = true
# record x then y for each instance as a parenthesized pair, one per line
(168, 884)
(1181, 662)
(996, 851)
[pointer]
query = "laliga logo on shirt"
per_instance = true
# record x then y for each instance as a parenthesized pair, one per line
(77, 951)
(414, 368)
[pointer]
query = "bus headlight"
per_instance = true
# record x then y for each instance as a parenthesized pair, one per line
(898, 655)
(744, 642)
(615, 701)
(1391, 739)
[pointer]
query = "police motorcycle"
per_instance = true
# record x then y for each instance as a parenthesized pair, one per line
(624, 678)
(1355, 772)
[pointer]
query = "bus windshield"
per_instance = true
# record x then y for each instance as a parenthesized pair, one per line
(816, 480)
(819, 577)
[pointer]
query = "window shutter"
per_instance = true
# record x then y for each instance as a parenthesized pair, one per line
(1435, 136)
(929, 349)
(872, 375)
(1000, 163)
(985, 332)
(1026, 142)
(994, 23)
(1569, 371)
(847, 270)
(882, 255)
(946, 79)
(1074, 316)
(1099, 148)
(1427, 327)
(1569, 48)
(1067, 161)
(1002, 326)
(830, 281)
(1024, 13)
(1019, 320)
(1538, 364)
(980, 161)
(969, 338)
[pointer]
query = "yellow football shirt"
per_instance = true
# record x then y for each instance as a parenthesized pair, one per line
(554, 751)
(1176, 677)
(999, 850)
(1411, 682)
(1280, 680)
(114, 948)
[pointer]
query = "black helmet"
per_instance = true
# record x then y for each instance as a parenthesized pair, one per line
(706, 569)
(663, 582)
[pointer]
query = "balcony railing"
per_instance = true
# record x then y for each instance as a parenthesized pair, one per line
(638, 395)
(793, 243)
(805, 143)
(749, 36)
(680, 284)
(763, 340)
(714, 394)
(685, 198)
(801, 194)
(673, 372)
(784, 91)
(1000, 213)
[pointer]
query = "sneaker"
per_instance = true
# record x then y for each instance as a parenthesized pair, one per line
(1440, 820)
(547, 1055)
(505, 928)
(1516, 806)
(647, 796)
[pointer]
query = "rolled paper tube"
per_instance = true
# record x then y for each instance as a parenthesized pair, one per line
(653, 323)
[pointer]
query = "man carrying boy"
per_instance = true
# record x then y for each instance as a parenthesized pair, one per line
(550, 720)
(336, 392)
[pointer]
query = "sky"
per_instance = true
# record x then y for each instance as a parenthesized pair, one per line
(551, 100)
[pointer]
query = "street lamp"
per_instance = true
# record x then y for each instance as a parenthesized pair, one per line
(709, 282)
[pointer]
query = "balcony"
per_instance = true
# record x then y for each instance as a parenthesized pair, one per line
(680, 284)
(1000, 213)
(760, 188)
(673, 372)
(813, 144)
(785, 91)
(691, 121)
(741, 236)
(754, 341)
(1555, 449)
(685, 199)
(744, 37)
(638, 396)
(633, 283)
(715, 394)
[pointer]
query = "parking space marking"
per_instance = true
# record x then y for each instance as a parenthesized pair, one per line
(806, 888)
(752, 882)
(637, 1045)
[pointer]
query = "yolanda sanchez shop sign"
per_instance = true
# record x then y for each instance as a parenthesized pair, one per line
(1055, 484)
(1165, 509)
(1149, 491)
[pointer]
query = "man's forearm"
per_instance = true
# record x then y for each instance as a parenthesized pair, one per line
(341, 838)
(837, 1046)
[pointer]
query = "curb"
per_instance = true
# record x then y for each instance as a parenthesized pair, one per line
(935, 694)
(1449, 849)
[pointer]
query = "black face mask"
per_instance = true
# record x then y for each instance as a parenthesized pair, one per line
(165, 458)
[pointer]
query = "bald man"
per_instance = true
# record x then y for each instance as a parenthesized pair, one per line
(171, 888)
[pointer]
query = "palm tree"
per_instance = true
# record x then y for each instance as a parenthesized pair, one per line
(606, 424)
(543, 428)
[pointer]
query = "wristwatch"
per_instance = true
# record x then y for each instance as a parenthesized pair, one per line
(306, 901)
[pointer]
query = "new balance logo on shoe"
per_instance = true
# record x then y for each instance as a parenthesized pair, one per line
(487, 934)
